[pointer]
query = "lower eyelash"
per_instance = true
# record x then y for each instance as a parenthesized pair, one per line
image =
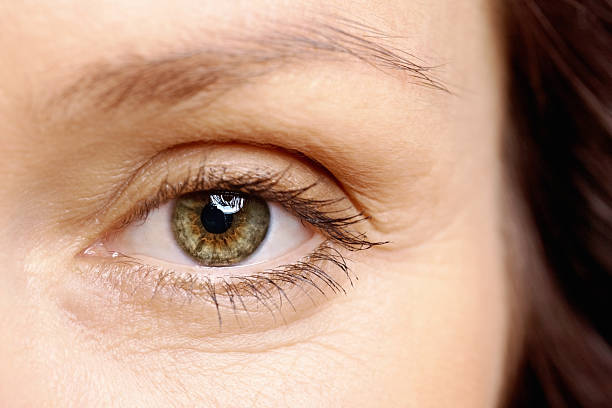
(240, 294)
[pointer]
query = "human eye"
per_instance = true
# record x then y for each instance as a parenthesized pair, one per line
(243, 238)
(207, 229)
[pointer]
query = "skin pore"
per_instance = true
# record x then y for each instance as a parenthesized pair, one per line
(394, 107)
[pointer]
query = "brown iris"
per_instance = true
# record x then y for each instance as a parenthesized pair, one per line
(220, 228)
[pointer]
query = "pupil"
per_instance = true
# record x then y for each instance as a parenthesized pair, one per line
(214, 220)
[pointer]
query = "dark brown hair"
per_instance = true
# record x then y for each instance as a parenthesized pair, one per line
(560, 156)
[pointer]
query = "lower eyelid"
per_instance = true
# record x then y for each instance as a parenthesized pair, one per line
(255, 300)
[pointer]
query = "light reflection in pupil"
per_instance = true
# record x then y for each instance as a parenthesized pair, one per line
(228, 203)
(217, 215)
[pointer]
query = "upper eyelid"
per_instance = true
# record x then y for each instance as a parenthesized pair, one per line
(161, 159)
(336, 216)
(248, 183)
(307, 209)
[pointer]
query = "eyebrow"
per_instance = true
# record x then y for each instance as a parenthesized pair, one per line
(209, 71)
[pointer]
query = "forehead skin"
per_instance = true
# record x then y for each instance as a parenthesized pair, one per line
(339, 81)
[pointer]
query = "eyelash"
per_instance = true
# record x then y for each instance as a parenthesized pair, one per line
(268, 287)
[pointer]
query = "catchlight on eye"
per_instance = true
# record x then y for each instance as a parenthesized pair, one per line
(220, 228)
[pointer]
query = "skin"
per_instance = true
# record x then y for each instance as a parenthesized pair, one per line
(428, 324)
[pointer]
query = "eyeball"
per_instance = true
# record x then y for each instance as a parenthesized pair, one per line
(214, 229)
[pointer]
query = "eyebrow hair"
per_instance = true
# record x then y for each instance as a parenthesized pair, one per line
(171, 79)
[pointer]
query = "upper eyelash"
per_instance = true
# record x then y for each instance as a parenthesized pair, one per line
(312, 211)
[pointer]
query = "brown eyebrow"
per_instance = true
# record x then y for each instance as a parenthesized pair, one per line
(209, 71)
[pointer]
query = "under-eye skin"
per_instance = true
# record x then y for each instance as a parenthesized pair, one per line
(219, 228)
